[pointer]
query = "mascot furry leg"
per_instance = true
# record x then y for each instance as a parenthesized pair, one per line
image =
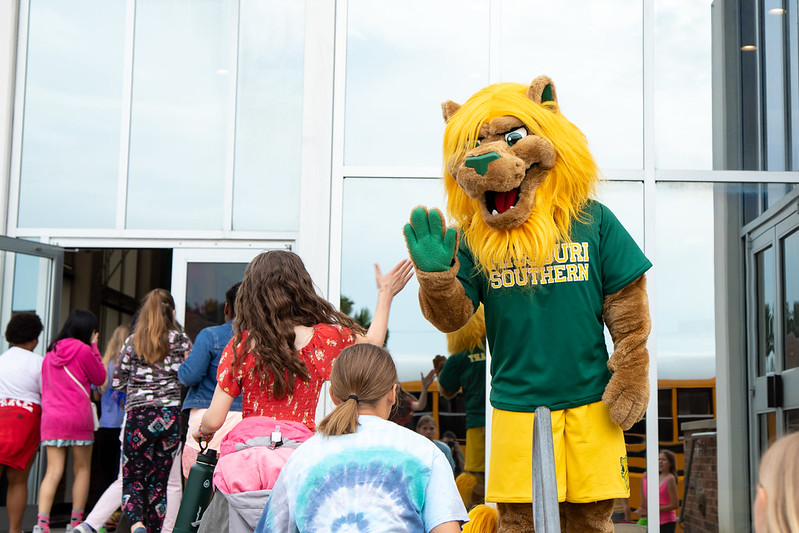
(552, 266)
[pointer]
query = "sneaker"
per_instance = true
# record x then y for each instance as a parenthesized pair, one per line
(38, 529)
(69, 528)
(83, 527)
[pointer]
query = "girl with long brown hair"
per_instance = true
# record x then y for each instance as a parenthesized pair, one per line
(285, 339)
(361, 470)
(148, 373)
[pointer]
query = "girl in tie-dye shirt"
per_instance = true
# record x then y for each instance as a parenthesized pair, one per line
(362, 472)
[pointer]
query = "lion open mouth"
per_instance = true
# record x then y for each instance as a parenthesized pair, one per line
(500, 201)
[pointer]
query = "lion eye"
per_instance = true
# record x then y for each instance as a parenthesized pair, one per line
(512, 137)
(477, 142)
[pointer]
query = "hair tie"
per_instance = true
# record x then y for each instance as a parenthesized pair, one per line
(353, 397)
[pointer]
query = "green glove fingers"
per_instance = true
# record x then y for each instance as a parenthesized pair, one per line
(430, 247)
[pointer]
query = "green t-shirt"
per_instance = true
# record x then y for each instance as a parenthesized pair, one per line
(467, 370)
(545, 327)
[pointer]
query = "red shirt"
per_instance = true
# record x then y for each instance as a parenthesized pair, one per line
(300, 406)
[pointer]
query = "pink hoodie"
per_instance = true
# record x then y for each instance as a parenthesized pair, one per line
(66, 413)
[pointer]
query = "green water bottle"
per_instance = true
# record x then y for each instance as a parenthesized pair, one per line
(198, 492)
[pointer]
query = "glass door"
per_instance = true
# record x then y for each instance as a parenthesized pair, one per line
(773, 326)
(200, 278)
(31, 275)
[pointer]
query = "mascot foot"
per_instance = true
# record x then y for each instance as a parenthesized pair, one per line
(586, 517)
(515, 517)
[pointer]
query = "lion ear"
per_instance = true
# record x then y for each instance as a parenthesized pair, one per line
(542, 90)
(448, 109)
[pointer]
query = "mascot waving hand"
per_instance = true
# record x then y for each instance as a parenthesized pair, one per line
(552, 267)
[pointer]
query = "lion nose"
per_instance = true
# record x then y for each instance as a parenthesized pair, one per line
(480, 162)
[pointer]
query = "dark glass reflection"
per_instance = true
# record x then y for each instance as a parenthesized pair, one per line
(206, 285)
(768, 430)
(790, 266)
(791, 420)
(765, 311)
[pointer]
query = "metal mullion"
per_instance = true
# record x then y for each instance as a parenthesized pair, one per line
(652, 430)
(230, 152)
(127, 111)
(793, 86)
(728, 176)
(337, 166)
(19, 118)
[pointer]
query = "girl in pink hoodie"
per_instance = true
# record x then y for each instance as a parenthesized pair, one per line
(71, 365)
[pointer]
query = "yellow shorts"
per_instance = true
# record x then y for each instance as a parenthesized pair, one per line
(590, 456)
(475, 449)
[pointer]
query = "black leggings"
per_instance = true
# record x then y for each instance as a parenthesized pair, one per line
(668, 527)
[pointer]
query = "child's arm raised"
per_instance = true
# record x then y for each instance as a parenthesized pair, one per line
(214, 417)
(388, 286)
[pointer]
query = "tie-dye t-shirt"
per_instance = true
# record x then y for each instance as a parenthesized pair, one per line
(318, 355)
(383, 478)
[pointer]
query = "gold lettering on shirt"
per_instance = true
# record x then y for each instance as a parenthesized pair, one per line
(479, 356)
(568, 262)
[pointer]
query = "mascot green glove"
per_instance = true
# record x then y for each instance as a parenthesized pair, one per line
(431, 249)
(552, 267)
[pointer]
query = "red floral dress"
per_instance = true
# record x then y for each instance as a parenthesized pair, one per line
(318, 355)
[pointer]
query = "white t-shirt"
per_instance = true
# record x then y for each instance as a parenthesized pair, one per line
(383, 478)
(21, 375)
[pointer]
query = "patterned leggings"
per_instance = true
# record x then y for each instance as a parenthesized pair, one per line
(152, 438)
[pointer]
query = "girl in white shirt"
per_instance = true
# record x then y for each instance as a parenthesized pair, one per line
(20, 410)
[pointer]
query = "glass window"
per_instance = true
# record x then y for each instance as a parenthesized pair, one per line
(72, 115)
(665, 416)
(266, 189)
(684, 309)
(206, 285)
(372, 233)
(791, 420)
(403, 60)
(764, 272)
(774, 108)
(603, 97)
(768, 430)
(626, 200)
(180, 114)
(790, 266)
(697, 402)
(683, 86)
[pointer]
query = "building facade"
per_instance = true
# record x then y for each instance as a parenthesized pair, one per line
(165, 143)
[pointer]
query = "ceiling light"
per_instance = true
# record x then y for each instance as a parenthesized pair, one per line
(748, 47)
(776, 11)
(223, 71)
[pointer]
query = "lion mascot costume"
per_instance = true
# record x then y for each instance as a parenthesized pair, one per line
(552, 266)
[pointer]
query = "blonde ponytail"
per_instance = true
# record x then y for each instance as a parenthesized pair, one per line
(362, 375)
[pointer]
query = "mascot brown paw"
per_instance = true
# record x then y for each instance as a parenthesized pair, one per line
(574, 517)
(515, 517)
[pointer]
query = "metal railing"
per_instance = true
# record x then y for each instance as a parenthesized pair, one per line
(546, 516)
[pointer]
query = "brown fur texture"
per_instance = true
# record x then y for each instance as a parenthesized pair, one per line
(574, 517)
(514, 517)
(626, 314)
(443, 300)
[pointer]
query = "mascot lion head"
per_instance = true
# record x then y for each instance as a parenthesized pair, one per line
(516, 172)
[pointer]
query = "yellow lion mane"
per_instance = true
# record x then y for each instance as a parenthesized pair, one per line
(559, 199)
(470, 336)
